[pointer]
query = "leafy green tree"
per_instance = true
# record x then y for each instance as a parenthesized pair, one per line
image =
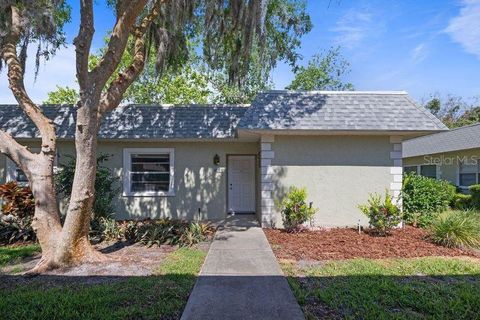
(206, 80)
(62, 95)
(323, 72)
(434, 105)
(184, 87)
(454, 111)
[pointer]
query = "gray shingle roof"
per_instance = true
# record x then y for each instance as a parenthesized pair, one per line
(274, 110)
(350, 110)
(136, 121)
(457, 139)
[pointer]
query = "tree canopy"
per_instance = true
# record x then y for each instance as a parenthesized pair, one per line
(454, 111)
(323, 72)
(196, 77)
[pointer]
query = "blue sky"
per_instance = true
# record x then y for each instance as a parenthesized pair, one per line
(423, 47)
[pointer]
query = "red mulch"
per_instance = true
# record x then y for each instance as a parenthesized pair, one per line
(338, 244)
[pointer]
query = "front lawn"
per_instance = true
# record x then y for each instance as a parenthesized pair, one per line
(162, 295)
(419, 288)
(11, 254)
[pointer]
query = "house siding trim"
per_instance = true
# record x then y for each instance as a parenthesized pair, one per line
(396, 170)
(267, 206)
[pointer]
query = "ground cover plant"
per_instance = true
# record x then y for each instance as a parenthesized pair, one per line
(153, 232)
(422, 288)
(162, 295)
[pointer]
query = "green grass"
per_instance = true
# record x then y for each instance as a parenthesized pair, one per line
(424, 288)
(15, 254)
(163, 295)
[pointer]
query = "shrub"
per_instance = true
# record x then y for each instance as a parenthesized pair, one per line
(462, 201)
(173, 232)
(295, 210)
(424, 198)
(152, 232)
(18, 209)
(457, 229)
(17, 200)
(105, 190)
(383, 215)
(16, 229)
(105, 229)
(475, 193)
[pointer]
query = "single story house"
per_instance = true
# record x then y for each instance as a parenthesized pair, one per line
(205, 161)
(452, 155)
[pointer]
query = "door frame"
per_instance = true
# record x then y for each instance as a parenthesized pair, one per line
(228, 181)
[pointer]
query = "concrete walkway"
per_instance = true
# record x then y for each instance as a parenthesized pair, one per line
(241, 278)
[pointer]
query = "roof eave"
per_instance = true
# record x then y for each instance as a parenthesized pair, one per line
(339, 131)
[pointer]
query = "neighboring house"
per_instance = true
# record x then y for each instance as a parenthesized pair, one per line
(452, 155)
(201, 162)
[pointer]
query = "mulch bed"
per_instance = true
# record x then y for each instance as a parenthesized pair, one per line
(342, 243)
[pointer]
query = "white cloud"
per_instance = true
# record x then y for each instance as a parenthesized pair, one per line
(419, 53)
(60, 70)
(354, 27)
(465, 27)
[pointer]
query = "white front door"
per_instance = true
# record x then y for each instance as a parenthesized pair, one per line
(241, 183)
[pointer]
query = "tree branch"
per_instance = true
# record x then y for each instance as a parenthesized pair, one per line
(83, 42)
(15, 151)
(118, 41)
(16, 82)
(114, 94)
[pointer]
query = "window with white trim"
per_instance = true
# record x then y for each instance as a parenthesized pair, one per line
(468, 174)
(148, 172)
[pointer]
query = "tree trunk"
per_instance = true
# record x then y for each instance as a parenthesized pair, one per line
(74, 246)
(69, 245)
(46, 220)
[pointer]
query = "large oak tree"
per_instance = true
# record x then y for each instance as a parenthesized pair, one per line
(231, 34)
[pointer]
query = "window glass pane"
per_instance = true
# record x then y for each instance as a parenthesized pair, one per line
(150, 167)
(150, 163)
(468, 168)
(149, 187)
(20, 176)
(467, 179)
(150, 177)
(150, 172)
(410, 169)
(428, 171)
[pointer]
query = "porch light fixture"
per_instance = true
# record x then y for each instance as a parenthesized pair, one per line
(216, 159)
